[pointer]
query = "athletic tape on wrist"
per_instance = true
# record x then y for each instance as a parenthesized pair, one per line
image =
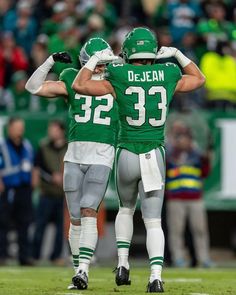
(92, 63)
(182, 59)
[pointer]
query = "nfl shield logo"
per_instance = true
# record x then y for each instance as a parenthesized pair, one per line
(147, 156)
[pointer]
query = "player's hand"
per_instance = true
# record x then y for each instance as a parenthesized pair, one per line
(166, 52)
(105, 56)
(62, 57)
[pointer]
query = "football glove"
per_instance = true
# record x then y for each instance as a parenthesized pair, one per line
(62, 57)
(166, 52)
(105, 56)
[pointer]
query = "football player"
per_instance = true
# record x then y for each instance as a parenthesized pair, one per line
(90, 154)
(143, 91)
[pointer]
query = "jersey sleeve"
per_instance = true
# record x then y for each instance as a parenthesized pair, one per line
(64, 74)
(174, 72)
(109, 73)
(114, 72)
(67, 76)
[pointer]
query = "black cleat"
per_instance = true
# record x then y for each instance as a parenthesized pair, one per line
(155, 287)
(122, 276)
(80, 280)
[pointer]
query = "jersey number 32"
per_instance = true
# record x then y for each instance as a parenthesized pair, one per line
(87, 108)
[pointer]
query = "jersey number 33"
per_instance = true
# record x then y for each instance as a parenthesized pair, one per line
(151, 93)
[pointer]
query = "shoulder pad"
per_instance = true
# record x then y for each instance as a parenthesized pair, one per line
(66, 72)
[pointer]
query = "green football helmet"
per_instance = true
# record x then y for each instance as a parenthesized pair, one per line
(140, 43)
(90, 47)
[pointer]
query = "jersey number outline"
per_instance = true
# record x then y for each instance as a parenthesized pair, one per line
(140, 105)
(86, 107)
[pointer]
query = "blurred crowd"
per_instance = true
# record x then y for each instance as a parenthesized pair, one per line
(30, 30)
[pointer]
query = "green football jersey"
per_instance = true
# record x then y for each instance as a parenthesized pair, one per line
(91, 118)
(143, 94)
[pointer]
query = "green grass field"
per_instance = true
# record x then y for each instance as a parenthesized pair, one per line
(52, 280)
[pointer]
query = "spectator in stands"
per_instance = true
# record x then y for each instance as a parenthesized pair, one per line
(117, 38)
(215, 27)
(95, 27)
(182, 16)
(51, 25)
(16, 162)
(160, 15)
(48, 176)
(67, 39)
(22, 24)
(108, 15)
(219, 67)
(5, 5)
(186, 168)
(39, 51)
(188, 46)
(164, 37)
(18, 99)
(73, 8)
(12, 58)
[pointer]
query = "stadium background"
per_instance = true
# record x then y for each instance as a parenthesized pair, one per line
(39, 28)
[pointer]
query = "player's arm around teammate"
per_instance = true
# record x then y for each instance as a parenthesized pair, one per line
(83, 83)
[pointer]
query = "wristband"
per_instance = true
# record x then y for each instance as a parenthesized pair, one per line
(182, 59)
(92, 63)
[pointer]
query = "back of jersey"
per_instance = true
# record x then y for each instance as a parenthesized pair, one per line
(91, 118)
(144, 93)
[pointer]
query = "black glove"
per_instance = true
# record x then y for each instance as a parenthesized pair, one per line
(63, 57)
